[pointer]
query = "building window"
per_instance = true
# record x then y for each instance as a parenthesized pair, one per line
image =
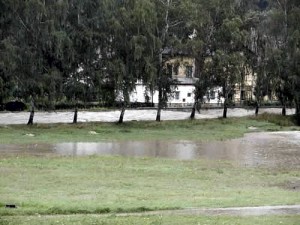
(189, 71)
(177, 95)
(183, 100)
(189, 94)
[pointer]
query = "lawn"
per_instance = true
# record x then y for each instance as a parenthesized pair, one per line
(94, 184)
(150, 220)
(57, 188)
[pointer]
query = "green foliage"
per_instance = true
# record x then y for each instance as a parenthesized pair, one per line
(94, 50)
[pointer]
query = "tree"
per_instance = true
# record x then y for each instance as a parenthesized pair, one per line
(133, 44)
(281, 30)
(202, 86)
(228, 58)
(172, 29)
(205, 23)
(255, 48)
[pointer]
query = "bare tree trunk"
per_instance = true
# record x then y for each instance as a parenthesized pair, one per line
(158, 114)
(122, 115)
(256, 109)
(75, 115)
(298, 112)
(297, 103)
(283, 112)
(192, 116)
(30, 121)
(159, 105)
(160, 94)
(225, 109)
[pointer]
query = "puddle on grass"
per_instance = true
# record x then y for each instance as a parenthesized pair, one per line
(255, 149)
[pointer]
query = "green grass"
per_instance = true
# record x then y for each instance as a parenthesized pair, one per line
(67, 185)
(150, 220)
(201, 130)
(57, 188)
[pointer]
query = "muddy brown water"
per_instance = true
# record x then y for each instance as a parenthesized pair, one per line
(270, 149)
(7, 118)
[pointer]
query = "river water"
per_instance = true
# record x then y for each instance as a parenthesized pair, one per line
(7, 118)
(269, 149)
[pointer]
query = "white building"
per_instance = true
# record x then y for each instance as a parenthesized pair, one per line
(182, 69)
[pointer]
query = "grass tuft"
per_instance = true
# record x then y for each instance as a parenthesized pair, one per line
(279, 120)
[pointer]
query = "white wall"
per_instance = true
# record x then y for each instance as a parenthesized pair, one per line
(184, 96)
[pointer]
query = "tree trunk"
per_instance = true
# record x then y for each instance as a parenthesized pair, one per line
(297, 108)
(192, 116)
(225, 109)
(256, 109)
(122, 115)
(30, 121)
(158, 113)
(159, 105)
(75, 115)
(283, 112)
(297, 111)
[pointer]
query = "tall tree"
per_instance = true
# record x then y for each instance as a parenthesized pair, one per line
(255, 50)
(205, 22)
(172, 29)
(227, 56)
(281, 30)
(133, 44)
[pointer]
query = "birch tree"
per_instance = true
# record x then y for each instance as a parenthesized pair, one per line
(171, 30)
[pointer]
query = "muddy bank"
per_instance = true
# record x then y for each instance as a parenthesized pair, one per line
(269, 149)
(130, 115)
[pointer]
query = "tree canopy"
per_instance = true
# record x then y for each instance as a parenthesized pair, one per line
(94, 50)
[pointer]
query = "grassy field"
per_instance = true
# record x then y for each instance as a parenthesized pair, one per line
(151, 220)
(202, 130)
(65, 186)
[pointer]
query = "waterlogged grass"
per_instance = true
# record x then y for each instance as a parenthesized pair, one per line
(202, 130)
(69, 185)
(150, 220)
(57, 188)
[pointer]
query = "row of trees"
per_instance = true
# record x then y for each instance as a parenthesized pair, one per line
(87, 50)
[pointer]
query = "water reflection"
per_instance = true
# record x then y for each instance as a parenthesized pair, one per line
(255, 149)
(177, 150)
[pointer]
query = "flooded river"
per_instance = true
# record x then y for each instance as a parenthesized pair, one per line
(130, 115)
(254, 149)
